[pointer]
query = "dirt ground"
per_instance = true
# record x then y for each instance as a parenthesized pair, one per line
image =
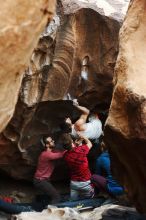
(23, 191)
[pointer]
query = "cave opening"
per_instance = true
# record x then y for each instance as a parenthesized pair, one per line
(51, 114)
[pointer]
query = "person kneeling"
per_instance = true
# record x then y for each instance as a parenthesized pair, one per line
(76, 159)
(103, 179)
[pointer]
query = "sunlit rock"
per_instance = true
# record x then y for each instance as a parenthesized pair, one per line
(126, 125)
(21, 23)
(115, 9)
(105, 212)
(49, 214)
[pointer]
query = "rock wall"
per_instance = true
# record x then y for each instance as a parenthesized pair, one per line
(74, 58)
(126, 125)
(104, 212)
(51, 213)
(21, 23)
(94, 59)
(111, 8)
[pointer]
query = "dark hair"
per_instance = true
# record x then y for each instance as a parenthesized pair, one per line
(66, 141)
(45, 140)
(43, 144)
(65, 127)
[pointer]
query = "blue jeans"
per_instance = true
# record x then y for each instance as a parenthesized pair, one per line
(13, 208)
(95, 202)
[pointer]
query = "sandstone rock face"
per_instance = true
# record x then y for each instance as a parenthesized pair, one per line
(110, 8)
(57, 67)
(59, 74)
(37, 71)
(94, 60)
(126, 125)
(75, 58)
(21, 23)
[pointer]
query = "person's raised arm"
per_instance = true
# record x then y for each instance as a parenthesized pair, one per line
(80, 123)
(84, 110)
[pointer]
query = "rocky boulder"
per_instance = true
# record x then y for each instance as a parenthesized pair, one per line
(74, 58)
(21, 23)
(125, 129)
(49, 214)
(105, 212)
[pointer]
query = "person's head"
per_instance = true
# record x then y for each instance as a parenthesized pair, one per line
(66, 141)
(49, 143)
(66, 126)
(78, 141)
(93, 116)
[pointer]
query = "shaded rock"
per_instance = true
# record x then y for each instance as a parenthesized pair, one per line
(126, 125)
(8, 157)
(94, 60)
(106, 212)
(36, 75)
(4, 216)
(46, 120)
(122, 213)
(111, 212)
(66, 64)
(25, 141)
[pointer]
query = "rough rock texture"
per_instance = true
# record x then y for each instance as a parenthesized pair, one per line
(115, 212)
(21, 23)
(68, 72)
(21, 139)
(94, 60)
(75, 58)
(110, 8)
(60, 71)
(126, 125)
(105, 212)
(49, 214)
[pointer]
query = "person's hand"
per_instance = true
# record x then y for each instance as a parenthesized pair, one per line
(80, 135)
(68, 120)
(75, 102)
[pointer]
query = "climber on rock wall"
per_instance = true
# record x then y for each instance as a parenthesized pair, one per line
(90, 126)
(91, 129)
